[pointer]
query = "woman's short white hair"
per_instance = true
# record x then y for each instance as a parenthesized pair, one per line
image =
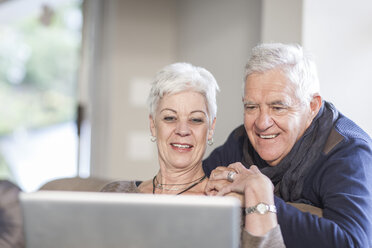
(295, 63)
(179, 77)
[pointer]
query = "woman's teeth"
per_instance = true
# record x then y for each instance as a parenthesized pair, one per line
(181, 146)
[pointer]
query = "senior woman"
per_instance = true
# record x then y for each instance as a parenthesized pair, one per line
(182, 117)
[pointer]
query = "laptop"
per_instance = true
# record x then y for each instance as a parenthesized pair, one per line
(62, 219)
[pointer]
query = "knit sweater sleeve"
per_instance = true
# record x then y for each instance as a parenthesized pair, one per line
(121, 187)
(11, 223)
(272, 239)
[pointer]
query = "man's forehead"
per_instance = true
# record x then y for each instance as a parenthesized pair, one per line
(271, 93)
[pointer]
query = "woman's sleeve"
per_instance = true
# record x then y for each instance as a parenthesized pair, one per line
(11, 223)
(272, 239)
(121, 187)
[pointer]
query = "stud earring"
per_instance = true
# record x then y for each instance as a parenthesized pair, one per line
(210, 141)
(153, 138)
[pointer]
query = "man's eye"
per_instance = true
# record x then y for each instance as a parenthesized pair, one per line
(250, 107)
(279, 108)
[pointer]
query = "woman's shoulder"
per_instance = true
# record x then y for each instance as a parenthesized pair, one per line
(122, 186)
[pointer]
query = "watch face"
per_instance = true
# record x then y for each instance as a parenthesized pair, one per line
(262, 208)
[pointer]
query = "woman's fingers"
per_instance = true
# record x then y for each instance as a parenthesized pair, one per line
(220, 173)
(234, 178)
(215, 186)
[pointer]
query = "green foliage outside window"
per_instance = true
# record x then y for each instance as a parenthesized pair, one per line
(39, 65)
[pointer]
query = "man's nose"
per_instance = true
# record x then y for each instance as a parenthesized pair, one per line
(263, 120)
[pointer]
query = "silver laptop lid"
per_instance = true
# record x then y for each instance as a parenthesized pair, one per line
(97, 220)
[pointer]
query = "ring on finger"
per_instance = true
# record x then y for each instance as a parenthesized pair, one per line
(230, 176)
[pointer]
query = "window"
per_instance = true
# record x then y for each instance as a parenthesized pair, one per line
(40, 45)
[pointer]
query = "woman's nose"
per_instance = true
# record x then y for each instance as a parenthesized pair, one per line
(182, 128)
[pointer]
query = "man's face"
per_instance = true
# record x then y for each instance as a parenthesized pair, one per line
(274, 118)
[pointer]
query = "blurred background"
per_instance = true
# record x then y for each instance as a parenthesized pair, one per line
(74, 74)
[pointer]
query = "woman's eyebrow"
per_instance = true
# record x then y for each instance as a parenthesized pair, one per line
(168, 109)
(197, 111)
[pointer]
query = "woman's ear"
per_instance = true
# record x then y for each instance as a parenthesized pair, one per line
(152, 126)
(211, 129)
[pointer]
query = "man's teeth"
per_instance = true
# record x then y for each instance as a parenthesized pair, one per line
(181, 146)
(268, 136)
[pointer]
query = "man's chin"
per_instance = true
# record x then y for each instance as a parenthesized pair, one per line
(271, 159)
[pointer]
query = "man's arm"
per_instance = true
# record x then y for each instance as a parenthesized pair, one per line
(341, 186)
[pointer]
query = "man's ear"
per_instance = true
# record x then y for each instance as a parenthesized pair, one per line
(211, 129)
(315, 104)
(152, 126)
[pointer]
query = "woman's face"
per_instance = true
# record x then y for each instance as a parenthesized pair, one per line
(181, 126)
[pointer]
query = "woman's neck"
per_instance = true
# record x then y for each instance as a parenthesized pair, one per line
(191, 181)
(167, 176)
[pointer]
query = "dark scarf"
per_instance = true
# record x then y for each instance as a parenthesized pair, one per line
(289, 175)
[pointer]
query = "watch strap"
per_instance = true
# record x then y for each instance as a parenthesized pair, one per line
(261, 208)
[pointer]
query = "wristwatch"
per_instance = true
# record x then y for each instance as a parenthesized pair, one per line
(261, 208)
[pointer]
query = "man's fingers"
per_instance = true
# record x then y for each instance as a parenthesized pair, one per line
(238, 167)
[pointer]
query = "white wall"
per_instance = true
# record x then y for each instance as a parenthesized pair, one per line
(339, 34)
(138, 39)
(218, 35)
(282, 21)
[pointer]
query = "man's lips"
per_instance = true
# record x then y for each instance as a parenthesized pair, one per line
(268, 136)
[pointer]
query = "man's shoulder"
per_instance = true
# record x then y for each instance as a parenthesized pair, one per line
(238, 134)
(229, 152)
(346, 135)
(349, 130)
(235, 140)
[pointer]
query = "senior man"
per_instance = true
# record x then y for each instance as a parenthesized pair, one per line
(315, 157)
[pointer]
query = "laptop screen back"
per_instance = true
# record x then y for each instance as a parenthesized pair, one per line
(86, 219)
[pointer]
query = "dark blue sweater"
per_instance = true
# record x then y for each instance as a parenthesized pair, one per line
(340, 183)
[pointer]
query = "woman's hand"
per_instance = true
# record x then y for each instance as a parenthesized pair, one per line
(256, 188)
(218, 181)
(251, 182)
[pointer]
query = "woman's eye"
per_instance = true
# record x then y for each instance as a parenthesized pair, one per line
(197, 120)
(169, 118)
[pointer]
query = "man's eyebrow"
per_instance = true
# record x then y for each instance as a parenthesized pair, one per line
(249, 103)
(279, 103)
(271, 103)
